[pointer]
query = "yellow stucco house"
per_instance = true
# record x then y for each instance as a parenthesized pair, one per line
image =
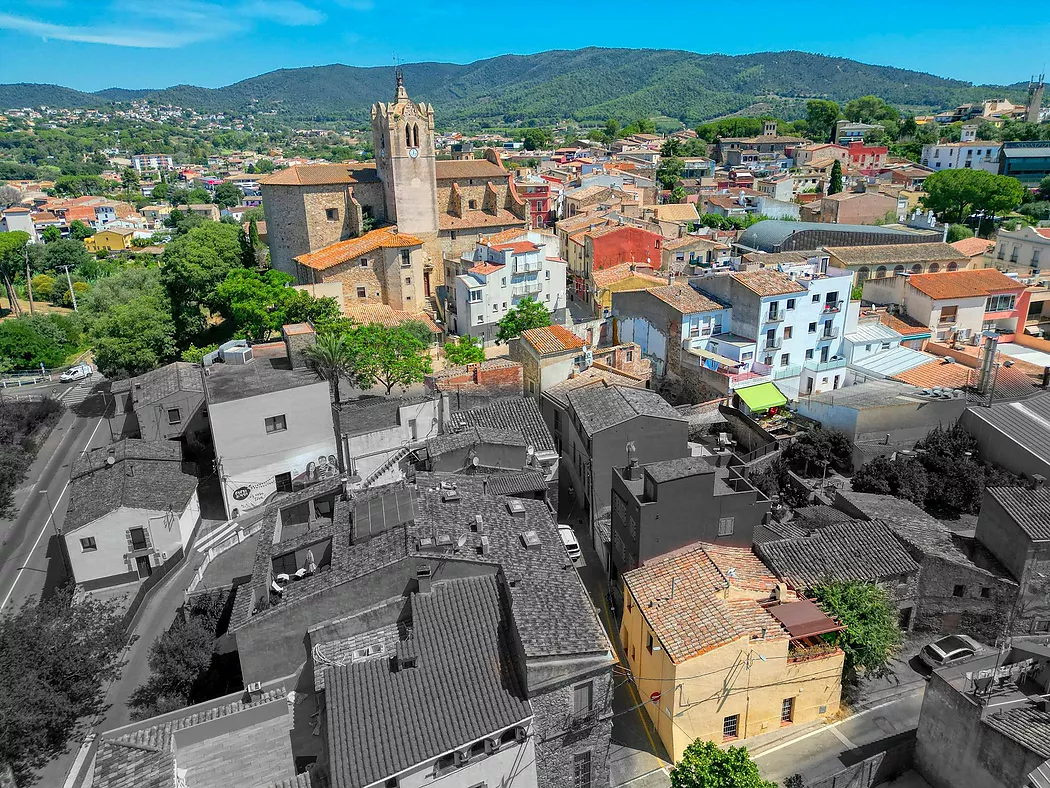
(115, 240)
(722, 651)
(620, 278)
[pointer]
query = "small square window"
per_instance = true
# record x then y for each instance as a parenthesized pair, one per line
(959, 591)
(174, 416)
(548, 274)
(361, 292)
(276, 424)
(408, 280)
(87, 544)
(581, 770)
(503, 282)
(630, 356)
(816, 298)
(547, 297)
(725, 526)
(363, 262)
(331, 214)
(495, 308)
(791, 303)
(406, 258)
(731, 726)
(986, 592)
(283, 482)
(787, 332)
(809, 354)
(504, 306)
(784, 359)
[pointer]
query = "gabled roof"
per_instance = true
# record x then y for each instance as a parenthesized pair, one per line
(605, 277)
(855, 550)
(599, 408)
(345, 251)
(892, 254)
(469, 168)
(465, 685)
(964, 284)
(142, 475)
(552, 339)
(1029, 508)
(517, 414)
(679, 212)
(365, 312)
(972, 247)
(154, 386)
(685, 299)
(322, 175)
(766, 282)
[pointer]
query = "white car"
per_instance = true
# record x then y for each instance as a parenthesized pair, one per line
(78, 372)
(949, 650)
(568, 538)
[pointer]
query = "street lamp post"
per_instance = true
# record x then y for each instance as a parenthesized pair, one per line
(54, 523)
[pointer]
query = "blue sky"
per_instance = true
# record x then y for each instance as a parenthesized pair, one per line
(93, 44)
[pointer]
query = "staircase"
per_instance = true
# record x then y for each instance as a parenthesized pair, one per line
(389, 463)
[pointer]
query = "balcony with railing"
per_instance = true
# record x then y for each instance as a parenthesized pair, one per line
(774, 343)
(528, 288)
(526, 266)
(783, 373)
(829, 332)
(831, 307)
(775, 317)
(824, 366)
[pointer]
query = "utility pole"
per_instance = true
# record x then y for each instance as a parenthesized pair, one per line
(29, 281)
(72, 293)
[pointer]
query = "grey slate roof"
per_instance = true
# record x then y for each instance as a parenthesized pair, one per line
(1026, 725)
(465, 686)
(144, 475)
(1030, 509)
(371, 414)
(600, 408)
(472, 436)
(156, 385)
(810, 517)
(856, 550)
(775, 530)
(679, 468)
(518, 414)
(773, 232)
(1026, 423)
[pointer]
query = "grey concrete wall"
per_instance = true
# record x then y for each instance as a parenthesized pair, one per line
(999, 449)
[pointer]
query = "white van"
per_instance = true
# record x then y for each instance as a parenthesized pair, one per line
(81, 371)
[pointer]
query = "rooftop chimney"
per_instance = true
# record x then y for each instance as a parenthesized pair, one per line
(1038, 480)
(633, 470)
(298, 337)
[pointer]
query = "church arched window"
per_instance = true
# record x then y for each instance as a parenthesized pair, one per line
(408, 135)
(415, 135)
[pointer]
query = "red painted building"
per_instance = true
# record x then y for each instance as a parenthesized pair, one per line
(537, 193)
(608, 246)
(867, 157)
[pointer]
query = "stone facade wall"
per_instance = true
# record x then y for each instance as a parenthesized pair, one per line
(504, 380)
(530, 366)
(980, 612)
(557, 742)
(382, 278)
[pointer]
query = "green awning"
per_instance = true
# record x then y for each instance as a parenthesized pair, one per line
(762, 397)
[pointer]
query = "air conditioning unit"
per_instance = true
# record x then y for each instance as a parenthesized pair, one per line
(255, 686)
(163, 556)
(238, 356)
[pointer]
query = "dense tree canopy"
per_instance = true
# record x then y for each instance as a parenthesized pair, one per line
(955, 195)
(464, 350)
(872, 636)
(705, 765)
(193, 266)
(529, 313)
(820, 119)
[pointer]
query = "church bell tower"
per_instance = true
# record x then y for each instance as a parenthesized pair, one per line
(403, 137)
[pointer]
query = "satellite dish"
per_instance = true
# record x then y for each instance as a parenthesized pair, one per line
(110, 460)
(475, 461)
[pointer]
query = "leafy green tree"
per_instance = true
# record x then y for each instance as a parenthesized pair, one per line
(612, 129)
(264, 166)
(65, 252)
(705, 765)
(958, 232)
(129, 179)
(78, 231)
(228, 195)
(50, 234)
(956, 194)
(332, 358)
(869, 109)
(872, 637)
(671, 148)
(812, 449)
(905, 479)
(694, 147)
(254, 215)
(14, 466)
(43, 285)
(877, 136)
(198, 196)
(54, 660)
(388, 357)
(1037, 211)
(160, 191)
(1043, 192)
(22, 346)
(820, 119)
(259, 303)
(12, 261)
(529, 313)
(640, 126)
(464, 350)
(134, 338)
(537, 138)
(835, 184)
(419, 330)
(192, 267)
(195, 355)
(669, 172)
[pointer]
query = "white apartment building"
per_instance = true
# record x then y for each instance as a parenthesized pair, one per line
(796, 316)
(969, 153)
(152, 161)
(1026, 249)
(500, 272)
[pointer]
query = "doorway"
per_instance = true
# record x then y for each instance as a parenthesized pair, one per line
(144, 567)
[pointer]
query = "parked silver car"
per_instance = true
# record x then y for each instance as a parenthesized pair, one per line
(949, 650)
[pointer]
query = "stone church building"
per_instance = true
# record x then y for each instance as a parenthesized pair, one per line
(424, 210)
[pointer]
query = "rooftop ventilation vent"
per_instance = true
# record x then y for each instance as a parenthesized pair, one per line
(531, 540)
(515, 507)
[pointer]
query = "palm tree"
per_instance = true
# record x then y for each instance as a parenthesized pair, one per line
(331, 358)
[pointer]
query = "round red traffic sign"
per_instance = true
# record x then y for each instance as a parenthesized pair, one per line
(655, 696)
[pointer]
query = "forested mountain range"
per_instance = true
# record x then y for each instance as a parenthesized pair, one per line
(584, 85)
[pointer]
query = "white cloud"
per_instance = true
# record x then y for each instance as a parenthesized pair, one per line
(170, 24)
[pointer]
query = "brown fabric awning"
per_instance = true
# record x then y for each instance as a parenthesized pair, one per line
(804, 619)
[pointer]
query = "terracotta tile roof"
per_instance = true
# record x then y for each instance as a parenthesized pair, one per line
(344, 251)
(322, 175)
(768, 283)
(694, 240)
(605, 277)
(963, 284)
(581, 222)
(520, 247)
(386, 315)
(685, 299)
(469, 168)
(971, 247)
(891, 254)
(1010, 382)
(479, 218)
(503, 237)
(681, 212)
(1043, 231)
(552, 339)
(905, 325)
(700, 615)
(486, 268)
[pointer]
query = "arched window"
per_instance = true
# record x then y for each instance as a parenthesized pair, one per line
(408, 136)
(862, 274)
(953, 266)
(415, 135)
(934, 268)
(880, 272)
(917, 268)
(898, 269)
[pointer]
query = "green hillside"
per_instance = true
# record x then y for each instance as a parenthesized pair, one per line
(585, 85)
